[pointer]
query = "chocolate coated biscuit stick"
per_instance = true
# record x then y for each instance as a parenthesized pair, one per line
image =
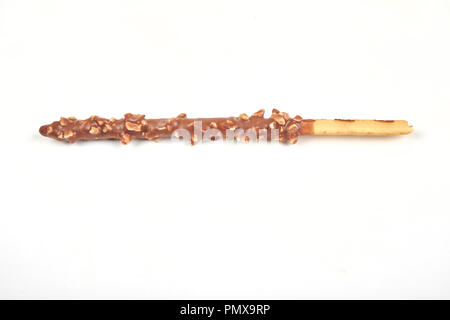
(279, 126)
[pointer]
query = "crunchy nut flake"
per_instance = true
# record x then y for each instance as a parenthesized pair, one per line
(297, 118)
(292, 127)
(285, 115)
(228, 124)
(100, 122)
(134, 117)
(72, 118)
(133, 126)
(243, 116)
(259, 114)
(144, 122)
(279, 119)
(125, 138)
(49, 129)
(63, 121)
(68, 134)
(213, 125)
(181, 115)
(275, 111)
(94, 130)
(60, 135)
(107, 128)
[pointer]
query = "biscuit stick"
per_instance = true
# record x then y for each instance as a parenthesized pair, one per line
(340, 127)
(278, 127)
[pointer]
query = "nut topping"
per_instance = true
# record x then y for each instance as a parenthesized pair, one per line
(285, 115)
(94, 130)
(228, 124)
(297, 118)
(243, 116)
(133, 126)
(293, 127)
(279, 119)
(259, 114)
(125, 138)
(63, 121)
(107, 128)
(134, 117)
(68, 134)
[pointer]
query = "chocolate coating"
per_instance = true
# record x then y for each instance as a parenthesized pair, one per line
(135, 126)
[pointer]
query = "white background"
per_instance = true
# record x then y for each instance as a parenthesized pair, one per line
(327, 218)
